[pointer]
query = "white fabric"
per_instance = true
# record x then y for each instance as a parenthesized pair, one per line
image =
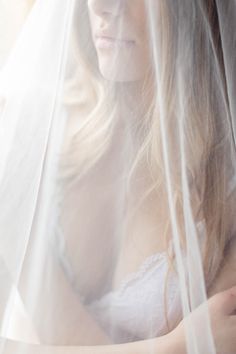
(117, 136)
(135, 310)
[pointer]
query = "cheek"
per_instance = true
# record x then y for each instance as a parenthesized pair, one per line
(138, 17)
(127, 64)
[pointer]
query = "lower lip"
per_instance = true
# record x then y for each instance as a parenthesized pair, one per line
(110, 43)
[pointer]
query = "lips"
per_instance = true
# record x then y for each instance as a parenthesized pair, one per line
(108, 41)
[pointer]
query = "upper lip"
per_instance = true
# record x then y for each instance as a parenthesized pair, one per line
(109, 35)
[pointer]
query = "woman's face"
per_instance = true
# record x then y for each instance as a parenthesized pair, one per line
(119, 33)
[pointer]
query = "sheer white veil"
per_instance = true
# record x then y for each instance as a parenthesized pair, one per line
(117, 144)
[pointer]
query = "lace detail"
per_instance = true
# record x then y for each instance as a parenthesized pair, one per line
(126, 313)
(154, 260)
(145, 266)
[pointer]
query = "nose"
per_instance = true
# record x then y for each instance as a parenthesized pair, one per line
(104, 8)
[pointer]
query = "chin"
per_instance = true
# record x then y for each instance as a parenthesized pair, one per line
(119, 73)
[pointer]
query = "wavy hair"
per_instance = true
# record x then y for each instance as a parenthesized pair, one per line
(207, 124)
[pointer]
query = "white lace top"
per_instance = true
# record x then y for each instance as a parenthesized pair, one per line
(136, 310)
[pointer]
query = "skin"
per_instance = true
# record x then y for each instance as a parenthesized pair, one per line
(221, 307)
(126, 64)
(120, 61)
(131, 61)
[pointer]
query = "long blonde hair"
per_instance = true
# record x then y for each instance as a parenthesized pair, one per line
(208, 129)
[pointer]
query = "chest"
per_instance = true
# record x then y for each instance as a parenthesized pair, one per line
(145, 235)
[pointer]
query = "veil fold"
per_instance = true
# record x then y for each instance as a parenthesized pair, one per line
(117, 173)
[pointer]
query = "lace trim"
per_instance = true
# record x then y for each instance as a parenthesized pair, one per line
(142, 270)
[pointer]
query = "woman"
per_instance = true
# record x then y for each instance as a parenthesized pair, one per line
(148, 120)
